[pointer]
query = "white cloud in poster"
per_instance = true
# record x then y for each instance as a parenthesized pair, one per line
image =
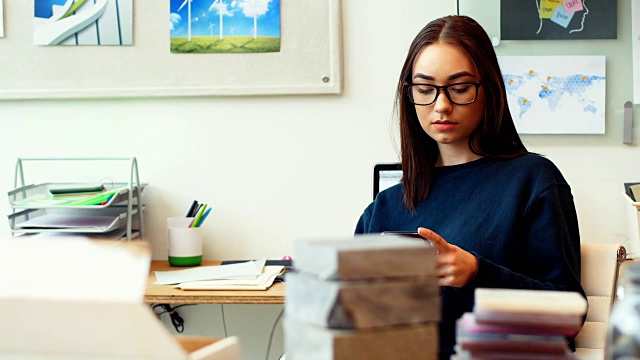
(221, 8)
(252, 8)
(174, 19)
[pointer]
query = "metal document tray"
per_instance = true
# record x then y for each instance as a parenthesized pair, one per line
(69, 220)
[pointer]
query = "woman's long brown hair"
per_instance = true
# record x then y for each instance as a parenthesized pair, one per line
(495, 136)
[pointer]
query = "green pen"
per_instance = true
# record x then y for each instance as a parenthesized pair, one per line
(96, 200)
(196, 220)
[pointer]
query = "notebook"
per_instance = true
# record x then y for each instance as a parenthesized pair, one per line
(385, 176)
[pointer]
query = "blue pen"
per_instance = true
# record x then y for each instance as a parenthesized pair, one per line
(206, 213)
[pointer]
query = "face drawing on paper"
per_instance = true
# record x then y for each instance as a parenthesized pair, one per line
(83, 22)
(558, 19)
(224, 26)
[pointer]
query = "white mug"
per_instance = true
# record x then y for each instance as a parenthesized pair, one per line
(185, 243)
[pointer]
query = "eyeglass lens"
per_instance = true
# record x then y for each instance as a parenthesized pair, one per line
(461, 94)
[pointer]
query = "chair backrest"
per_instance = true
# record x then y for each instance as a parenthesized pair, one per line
(599, 277)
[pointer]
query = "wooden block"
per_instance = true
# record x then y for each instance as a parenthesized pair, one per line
(362, 304)
(365, 257)
(530, 302)
(304, 341)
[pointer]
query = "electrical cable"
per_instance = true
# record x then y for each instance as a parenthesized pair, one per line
(273, 329)
(176, 320)
(458, 8)
(224, 323)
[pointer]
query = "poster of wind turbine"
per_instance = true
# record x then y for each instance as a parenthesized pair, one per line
(83, 22)
(224, 26)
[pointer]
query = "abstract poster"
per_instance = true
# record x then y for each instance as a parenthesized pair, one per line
(224, 26)
(1, 20)
(558, 19)
(83, 22)
(556, 94)
(635, 41)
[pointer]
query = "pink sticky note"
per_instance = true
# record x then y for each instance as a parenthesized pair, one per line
(571, 6)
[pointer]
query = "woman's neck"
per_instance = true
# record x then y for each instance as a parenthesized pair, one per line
(455, 156)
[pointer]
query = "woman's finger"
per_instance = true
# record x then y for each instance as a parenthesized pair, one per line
(436, 240)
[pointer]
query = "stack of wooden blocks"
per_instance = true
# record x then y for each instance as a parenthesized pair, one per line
(369, 297)
(520, 324)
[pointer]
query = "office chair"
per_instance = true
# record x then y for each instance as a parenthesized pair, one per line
(599, 277)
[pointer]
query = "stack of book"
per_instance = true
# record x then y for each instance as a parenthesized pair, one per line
(369, 297)
(520, 324)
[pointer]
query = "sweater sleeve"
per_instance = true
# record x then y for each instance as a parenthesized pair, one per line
(363, 223)
(547, 256)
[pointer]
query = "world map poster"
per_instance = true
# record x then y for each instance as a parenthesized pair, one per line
(556, 94)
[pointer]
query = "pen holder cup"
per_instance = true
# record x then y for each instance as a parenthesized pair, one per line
(185, 243)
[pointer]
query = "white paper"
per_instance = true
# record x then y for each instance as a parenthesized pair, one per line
(116, 234)
(262, 282)
(244, 270)
(56, 221)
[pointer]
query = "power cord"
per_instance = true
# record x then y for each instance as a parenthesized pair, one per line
(272, 331)
(224, 323)
(176, 319)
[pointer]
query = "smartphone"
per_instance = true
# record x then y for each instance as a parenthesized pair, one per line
(413, 234)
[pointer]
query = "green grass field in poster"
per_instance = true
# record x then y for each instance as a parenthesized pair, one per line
(230, 44)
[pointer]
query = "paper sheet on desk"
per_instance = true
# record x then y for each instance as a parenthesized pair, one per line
(249, 270)
(262, 282)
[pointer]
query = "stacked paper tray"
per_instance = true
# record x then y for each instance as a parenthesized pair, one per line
(69, 220)
(39, 196)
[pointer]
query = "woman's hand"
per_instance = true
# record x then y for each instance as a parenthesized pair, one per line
(454, 266)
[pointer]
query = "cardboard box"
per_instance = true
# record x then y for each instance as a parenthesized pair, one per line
(70, 298)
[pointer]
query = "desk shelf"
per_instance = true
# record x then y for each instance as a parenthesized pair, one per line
(36, 210)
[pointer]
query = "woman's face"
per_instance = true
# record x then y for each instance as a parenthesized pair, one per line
(445, 122)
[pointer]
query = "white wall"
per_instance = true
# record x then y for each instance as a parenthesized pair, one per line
(279, 168)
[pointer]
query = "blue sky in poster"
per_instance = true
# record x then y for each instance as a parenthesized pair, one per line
(237, 19)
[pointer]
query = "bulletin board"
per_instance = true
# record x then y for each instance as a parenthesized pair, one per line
(615, 90)
(309, 61)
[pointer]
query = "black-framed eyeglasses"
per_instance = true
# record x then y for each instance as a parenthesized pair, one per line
(462, 93)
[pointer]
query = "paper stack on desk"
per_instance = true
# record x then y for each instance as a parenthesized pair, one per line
(519, 324)
(250, 275)
(369, 297)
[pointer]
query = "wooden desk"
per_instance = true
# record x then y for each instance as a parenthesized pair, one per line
(166, 294)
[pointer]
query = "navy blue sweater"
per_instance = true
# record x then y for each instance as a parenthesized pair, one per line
(516, 216)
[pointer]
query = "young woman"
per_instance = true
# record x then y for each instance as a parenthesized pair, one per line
(498, 215)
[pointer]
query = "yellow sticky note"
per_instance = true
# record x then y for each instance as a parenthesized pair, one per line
(548, 7)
